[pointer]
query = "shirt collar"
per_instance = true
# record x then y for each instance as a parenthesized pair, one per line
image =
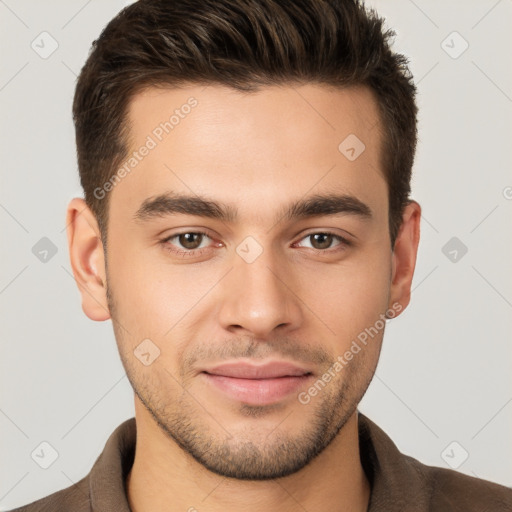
(108, 475)
(397, 481)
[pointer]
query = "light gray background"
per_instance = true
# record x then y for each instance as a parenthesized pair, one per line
(445, 370)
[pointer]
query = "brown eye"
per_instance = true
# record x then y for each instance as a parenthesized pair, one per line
(325, 241)
(190, 240)
(321, 240)
(187, 243)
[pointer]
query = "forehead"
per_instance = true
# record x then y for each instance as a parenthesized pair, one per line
(252, 149)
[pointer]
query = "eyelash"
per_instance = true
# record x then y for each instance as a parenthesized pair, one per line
(344, 243)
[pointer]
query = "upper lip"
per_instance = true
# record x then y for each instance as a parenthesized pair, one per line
(269, 370)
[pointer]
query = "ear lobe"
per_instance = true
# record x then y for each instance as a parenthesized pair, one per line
(87, 259)
(404, 255)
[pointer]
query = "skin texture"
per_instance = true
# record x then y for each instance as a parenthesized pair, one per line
(257, 152)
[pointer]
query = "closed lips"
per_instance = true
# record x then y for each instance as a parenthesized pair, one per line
(267, 371)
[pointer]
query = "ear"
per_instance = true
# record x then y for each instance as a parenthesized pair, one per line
(87, 259)
(404, 255)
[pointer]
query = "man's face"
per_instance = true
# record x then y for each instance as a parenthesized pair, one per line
(260, 286)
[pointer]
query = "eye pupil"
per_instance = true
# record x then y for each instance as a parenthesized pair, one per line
(187, 240)
(324, 239)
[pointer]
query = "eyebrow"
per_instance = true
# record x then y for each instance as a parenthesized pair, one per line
(171, 203)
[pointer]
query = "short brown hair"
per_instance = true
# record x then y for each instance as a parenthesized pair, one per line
(243, 44)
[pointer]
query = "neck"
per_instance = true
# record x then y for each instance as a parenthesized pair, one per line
(164, 477)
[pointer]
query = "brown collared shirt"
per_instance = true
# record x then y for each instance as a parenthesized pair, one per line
(398, 482)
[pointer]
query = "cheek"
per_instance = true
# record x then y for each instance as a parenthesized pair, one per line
(154, 298)
(351, 296)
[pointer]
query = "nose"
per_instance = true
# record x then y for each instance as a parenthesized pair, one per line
(258, 298)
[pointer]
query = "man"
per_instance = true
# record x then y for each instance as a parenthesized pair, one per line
(246, 168)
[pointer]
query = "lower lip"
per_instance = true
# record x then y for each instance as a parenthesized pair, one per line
(257, 391)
